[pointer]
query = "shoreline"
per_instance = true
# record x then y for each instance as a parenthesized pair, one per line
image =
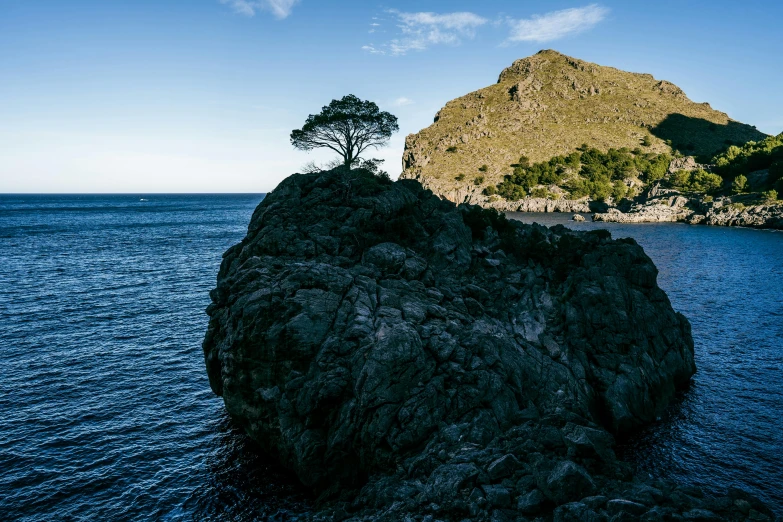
(657, 205)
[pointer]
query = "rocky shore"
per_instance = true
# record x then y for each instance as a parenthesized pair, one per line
(656, 205)
(661, 205)
(409, 359)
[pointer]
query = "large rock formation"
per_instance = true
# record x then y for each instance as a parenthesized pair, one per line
(549, 104)
(412, 360)
(659, 205)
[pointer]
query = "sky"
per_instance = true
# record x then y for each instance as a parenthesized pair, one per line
(150, 96)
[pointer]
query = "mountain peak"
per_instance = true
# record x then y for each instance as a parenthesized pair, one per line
(549, 104)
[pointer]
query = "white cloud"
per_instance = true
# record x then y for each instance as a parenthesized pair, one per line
(418, 31)
(372, 50)
(403, 101)
(279, 8)
(557, 24)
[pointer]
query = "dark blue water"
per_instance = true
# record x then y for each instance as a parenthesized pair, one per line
(105, 408)
(727, 429)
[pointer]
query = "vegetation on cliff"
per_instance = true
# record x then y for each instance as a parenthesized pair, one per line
(585, 172)
(737, 162)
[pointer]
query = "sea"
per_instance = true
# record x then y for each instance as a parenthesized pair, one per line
(105, 408)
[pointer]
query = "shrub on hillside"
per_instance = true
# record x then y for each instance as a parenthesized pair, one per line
(540, 192)
(752, 156)
(585, 172)
(696, 181)
(619, 190)
(739, 184)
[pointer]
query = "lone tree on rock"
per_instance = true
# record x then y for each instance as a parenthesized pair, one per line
(348, 126)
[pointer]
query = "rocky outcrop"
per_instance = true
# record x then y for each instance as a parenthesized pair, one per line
(670, 206)
(410, 359)
(657, 205)
(686, 163)
(472, 195)
(725, 212)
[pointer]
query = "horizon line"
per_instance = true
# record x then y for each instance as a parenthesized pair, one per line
(131, 193)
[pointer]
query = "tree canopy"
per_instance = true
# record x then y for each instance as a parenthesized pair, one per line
(348, 126)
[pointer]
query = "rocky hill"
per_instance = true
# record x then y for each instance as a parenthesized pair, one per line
(409, 359)
(550, 104)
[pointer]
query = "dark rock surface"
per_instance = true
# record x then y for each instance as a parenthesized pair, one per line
(412, 360)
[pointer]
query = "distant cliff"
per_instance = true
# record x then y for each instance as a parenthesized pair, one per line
(412, 360)
(548, 105)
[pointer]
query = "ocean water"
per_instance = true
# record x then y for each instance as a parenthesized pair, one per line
(105, 408)
(727, 429)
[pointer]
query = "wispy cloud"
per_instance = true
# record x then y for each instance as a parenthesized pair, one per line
(279, 8)
(418, 31)
(372, 49)
(403, 101)
(556, 24)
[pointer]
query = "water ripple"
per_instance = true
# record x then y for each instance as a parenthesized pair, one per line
(725, 430)
(105, 408)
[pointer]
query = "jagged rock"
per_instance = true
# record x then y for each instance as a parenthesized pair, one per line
(727, 212)
(660, 205)
(407, 357)
(657, 205)
(569, 482)
(503, 467)
(685, 163)
(578, 217)
(531, 503)
(498, 496)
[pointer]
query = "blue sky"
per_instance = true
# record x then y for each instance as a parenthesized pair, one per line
(201, 95)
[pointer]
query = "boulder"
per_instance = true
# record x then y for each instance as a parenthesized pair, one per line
(398, 352)
(531, 503)
(569, 482)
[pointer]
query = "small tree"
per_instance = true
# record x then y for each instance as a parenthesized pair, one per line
(770, 196)
(348, 126)
(739, 183)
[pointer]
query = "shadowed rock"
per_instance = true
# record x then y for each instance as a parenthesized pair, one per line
(408, 357)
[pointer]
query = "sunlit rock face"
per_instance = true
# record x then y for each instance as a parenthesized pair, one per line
(408, 357)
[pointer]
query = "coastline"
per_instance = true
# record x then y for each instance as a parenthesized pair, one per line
(656, 205)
